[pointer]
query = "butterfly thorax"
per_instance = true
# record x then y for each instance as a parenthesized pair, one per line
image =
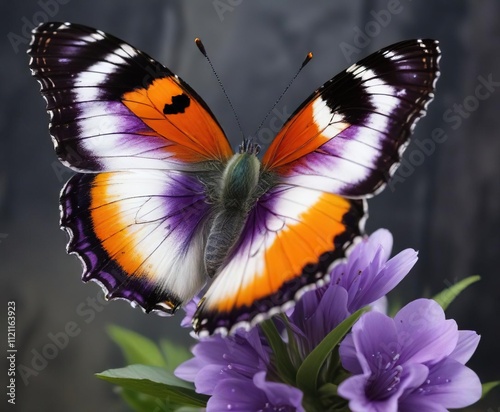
(239, 181)
(237, 194)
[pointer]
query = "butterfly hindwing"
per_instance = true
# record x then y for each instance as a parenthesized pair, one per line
(114, 107)
(348, 136)
(140, 234)
(290, 240)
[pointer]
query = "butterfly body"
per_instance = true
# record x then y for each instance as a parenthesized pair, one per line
(238, 194)
(160, 204)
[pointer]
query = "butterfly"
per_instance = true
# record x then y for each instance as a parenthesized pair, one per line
(160, 204)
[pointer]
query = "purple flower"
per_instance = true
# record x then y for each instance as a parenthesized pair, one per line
(363, 279)
(255, 395)
(233, 371)
(215, 358)
(190, 309)
(414, 362)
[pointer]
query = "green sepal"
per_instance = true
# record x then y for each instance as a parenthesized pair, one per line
(488, 386)
(448, 295)
(282, 359)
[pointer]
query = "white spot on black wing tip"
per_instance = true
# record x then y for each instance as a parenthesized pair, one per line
(389, 54)
(127, 49)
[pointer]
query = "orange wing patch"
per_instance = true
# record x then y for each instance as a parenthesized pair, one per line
(174, 113)
(284, 254)
(112, 225)
(310, 127)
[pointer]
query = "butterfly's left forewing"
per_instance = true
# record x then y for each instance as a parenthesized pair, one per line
(339, 147)
(140, 234)
(113, 107)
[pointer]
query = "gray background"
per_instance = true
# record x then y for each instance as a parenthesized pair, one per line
(447, 208)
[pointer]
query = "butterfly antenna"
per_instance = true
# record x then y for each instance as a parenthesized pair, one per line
(201, 47)
(308, 58)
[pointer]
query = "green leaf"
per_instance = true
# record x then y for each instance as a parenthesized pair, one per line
(488, 386)
(447, 296)
(307, 375)
(174, 354)
(136, 348)
(330, 400)
(328, 390)
(155, 381)
(280, 352)
(141, 402)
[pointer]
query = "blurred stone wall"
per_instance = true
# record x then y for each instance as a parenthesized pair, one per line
(445, 203)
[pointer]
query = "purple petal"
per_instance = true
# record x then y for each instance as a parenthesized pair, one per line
(279, 395)
(306, 306)
(316, 320)
(449, 384)
(190, 309)
(359, 288)
(383, 238)
(367, 275)
(210, 350)
(255, 341)
(210, 375)
(375, 340)
(356, 390)
(380, 305)
(424, 332)
(394, 381)
(331, 311)
(236, 395)
(466, 346)
(353, 389)
(389, 276)
(423, 404)
(349, 355)
(413, 376)
(362, 254)
(189, 369)
(240, 355)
